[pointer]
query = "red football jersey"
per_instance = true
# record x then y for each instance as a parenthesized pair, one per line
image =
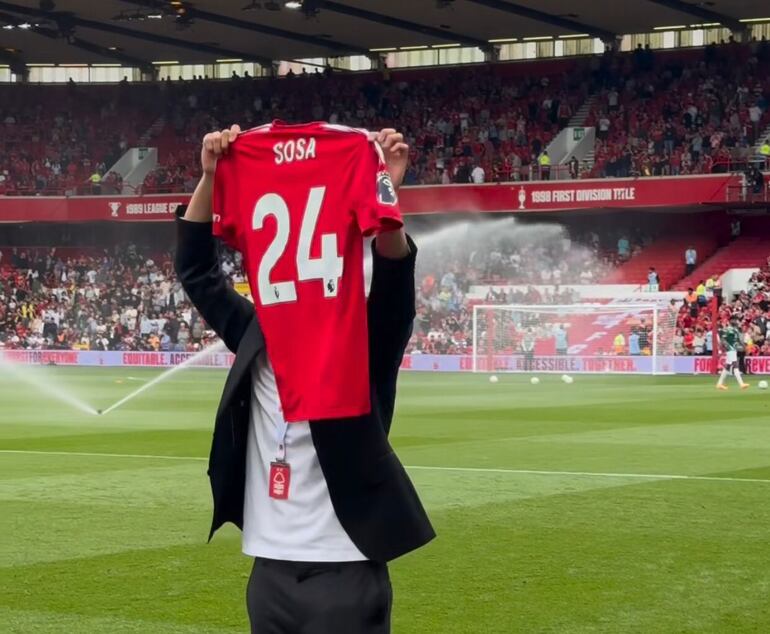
(296, 201)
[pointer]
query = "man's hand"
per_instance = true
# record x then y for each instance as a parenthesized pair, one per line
(393, 244)
(216, 144)
(396, 153)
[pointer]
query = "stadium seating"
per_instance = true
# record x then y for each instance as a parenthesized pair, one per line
(53, 138)
(666, 255)
(506, 115)
(679, 115)
(745, 252)
(126, 297)
(122, 298)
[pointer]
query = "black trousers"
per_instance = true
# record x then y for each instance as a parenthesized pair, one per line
(287, 597)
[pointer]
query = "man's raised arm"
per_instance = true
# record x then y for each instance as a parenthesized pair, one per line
(391, 303)
(197, 260)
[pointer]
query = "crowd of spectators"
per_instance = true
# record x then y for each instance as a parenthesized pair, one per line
(662, 113)
(116, 299)
(464, 125)
(520, 266)
(126, 298)
(657, 118)
(751, 308)
(54, 139)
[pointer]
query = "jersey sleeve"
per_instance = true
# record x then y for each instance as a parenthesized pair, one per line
(376, 206)
(224, 220)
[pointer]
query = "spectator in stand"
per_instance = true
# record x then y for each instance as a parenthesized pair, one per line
(560, 340)
(755, 180)
(624, 248)
(574, 168)
(691, 301)
(477, 174)
(619, 344)
(755, 116)
(545, 165)
(633, 344)
(690, 259)
(764, 153)
(653, 281)
(699, 342)
(96, 182)
(700, 291)
(528, 349)
(688, 341)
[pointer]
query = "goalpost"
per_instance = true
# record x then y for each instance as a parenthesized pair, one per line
(582, 338)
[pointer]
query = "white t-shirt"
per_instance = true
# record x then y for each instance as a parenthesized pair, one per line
(303, 527)
(477, 175)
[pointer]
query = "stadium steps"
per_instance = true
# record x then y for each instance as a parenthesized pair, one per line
(152, 132)
(746, 252)
(666, 255)
(580, 116)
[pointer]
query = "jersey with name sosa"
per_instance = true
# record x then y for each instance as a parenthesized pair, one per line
(296, 201)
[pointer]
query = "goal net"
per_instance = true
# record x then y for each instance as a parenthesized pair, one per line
(576, 338)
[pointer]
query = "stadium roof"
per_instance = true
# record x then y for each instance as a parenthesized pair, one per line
(142, 31)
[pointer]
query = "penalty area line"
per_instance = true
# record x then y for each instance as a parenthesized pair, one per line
(533, 472)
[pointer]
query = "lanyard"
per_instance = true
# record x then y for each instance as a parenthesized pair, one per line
(281, 427)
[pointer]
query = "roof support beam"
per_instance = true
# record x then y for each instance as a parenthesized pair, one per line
(700, 12)
(208, 16)
(547, 18)
(128, 60)
(371, 16)
(172, 41)
(76, 21)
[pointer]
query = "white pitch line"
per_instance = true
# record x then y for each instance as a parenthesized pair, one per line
(538, 472)
(594, 474)
(99, 455)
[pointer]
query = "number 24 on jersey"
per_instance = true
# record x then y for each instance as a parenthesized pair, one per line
(327, 268)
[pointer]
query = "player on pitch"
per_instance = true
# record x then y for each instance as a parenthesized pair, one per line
(730, 338)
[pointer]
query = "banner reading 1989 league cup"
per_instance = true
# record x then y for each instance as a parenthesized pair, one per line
(568, 364)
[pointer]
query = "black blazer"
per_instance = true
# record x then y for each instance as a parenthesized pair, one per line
(371, 493)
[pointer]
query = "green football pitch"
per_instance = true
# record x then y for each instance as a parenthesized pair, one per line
(615, 504)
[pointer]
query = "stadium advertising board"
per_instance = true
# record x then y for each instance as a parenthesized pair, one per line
(568, 364)
(521, 197)
(115, 358)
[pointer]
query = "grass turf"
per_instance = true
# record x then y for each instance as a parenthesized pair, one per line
(542, 525)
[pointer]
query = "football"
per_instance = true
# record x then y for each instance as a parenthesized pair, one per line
(762, 385)
(534, 380)
(567, 378)
(493, 378)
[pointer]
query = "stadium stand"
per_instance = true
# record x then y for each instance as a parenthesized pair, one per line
(751, 307)
(54, 138)
(668, 113)
(124, 298)
(679, 115)
(745, 252)
(666, 256)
